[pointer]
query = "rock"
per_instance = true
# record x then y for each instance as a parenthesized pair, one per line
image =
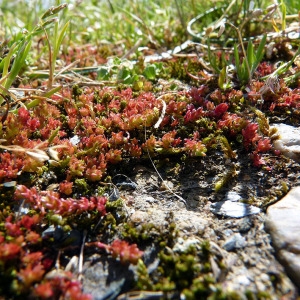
(150, 199)
(189, 222)
(139, 217)
(244, 225)
(233, 209)
(166, 185)
(283, 224)
(75, 140)
(105, 278)
(183, 245)
(227, 232)
(232, 196)
(234, 242)
(114, 195)
(243, 280)
(289, 141)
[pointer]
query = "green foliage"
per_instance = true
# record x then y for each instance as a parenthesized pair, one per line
(120, 70)
(152, 71)
(20, 51)
(223, 82)
(249, 63)
(292, 6)
(127, 72)
(225, 178)
(125, 75)
(57, 41)
(283, 15)
(212, 58)
(283, 68)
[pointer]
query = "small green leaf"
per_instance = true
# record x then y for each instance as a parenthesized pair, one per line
(53, 135)
(103, 74)
(244, 74)
(123, 74)
(127, 76)
(150, 72)
(52, 91)
(7, 59)
(222, 78)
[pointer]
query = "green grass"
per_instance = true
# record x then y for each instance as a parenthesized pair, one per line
(158, 25)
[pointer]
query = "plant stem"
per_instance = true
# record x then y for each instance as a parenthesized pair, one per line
(243, 48)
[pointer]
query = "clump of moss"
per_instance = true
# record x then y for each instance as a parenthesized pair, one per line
(149, 233)
(187, 272)
(82, 186)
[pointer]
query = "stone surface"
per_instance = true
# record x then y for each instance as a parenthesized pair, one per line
(233, 209)
(105, 278)
(283, 224)
(232, 196)
(139, 217)
(289, 141)
(183, 245)
(234, 242)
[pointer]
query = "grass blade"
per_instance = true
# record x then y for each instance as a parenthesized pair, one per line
(283, 16)
(260, 52)
(60, 38)
(18, 63)
(7, 60)
(250, 55)
(237, 61)
(211, 58)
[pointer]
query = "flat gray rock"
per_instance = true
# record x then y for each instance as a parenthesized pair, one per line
(233, 209)
(283, 224)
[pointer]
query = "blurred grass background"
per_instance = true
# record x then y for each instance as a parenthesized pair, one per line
(160, 23)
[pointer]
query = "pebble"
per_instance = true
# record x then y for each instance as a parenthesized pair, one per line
(232, 196)
(243, 280)
(234, 242)
(150, 199)
(139, 217)
(75, 140)
(289, 140)
(166, 185)
(244, 225)
(233, 209)
(183, 245)
(227, 232)
(283, 224)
